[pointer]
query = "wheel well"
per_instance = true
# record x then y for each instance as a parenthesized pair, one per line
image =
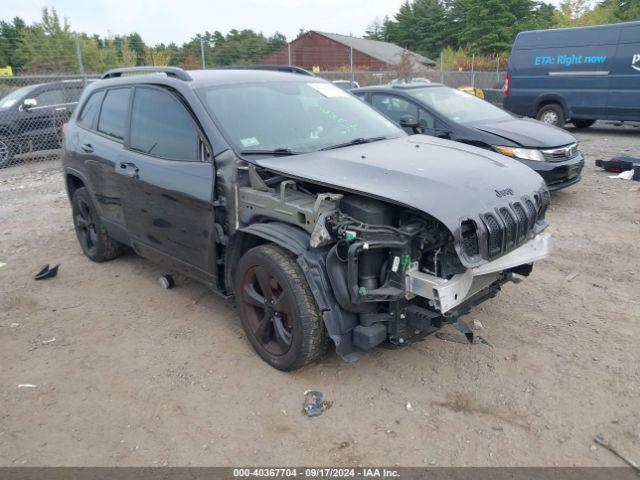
(73, 183)
(239, 244)
(544, 103)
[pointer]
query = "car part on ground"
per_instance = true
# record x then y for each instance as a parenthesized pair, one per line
(46, 272)
(618, 164)
(320, 217)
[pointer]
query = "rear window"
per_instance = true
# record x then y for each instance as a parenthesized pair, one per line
(113, 115)
(89, 111)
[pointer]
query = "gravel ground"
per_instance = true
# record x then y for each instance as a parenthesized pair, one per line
(127, 373)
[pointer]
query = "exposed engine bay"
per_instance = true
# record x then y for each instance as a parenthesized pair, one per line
(395, 274)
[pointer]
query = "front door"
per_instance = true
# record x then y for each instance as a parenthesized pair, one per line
(167, 184)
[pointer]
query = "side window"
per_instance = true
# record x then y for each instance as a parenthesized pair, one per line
(162, 127)
(393, 107)
(49, 97)
(113, 114)
(90, 110)
(426, 120)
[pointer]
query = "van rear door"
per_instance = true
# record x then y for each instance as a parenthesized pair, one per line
(623, 99)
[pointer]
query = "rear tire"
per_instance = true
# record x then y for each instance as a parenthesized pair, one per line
(7, 152)
(582, 123)
(92, 236)
(277, 310)
(551, 114)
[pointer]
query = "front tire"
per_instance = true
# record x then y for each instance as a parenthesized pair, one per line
(582, 123)
(93, 237)
(551, 114)
(277, 310)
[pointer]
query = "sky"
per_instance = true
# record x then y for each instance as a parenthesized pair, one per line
(165, 21)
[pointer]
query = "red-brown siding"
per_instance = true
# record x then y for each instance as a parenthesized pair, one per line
(312, 49)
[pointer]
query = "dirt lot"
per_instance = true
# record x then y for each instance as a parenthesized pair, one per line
(127, 373)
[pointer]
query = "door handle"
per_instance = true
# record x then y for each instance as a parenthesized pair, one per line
(129, 169)
(87, 147)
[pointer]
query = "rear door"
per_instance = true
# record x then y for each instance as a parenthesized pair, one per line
(624, 96)
(167, 183)
(103, 123)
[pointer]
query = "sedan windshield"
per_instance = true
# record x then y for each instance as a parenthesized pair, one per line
(458, 106)
(294, 117)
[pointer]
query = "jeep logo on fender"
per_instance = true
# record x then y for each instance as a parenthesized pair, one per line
(635, 63)
(504, 192)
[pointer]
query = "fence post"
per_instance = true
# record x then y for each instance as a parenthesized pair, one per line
(498, 71)
(204, 64)
(79, 58)
(441, 66)
(473, 72)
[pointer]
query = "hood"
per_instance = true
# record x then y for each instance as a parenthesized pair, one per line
(527, 132)
(448, 180)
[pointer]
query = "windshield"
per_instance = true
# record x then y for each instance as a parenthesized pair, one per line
(14, 97)
(458, 106)
(298, 116)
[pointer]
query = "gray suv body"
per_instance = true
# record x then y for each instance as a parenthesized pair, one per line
(322, 218)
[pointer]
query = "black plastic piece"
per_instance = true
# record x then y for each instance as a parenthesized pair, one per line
(636, 173)
(367, 210)
(368, 337)
(46, 272)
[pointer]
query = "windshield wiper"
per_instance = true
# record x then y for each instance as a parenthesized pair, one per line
(275, 151)
(355, 141)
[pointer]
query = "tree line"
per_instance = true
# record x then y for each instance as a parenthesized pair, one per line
(488, 27)
(50, 46)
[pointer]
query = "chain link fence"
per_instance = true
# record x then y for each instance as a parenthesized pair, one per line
(37, 100)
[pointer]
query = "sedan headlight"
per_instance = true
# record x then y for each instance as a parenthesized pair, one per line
(523, 153)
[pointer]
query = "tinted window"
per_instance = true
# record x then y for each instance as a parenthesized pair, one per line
(394, 107)
(89, 111)
(162, 127)
(50, 97)
(113, 115)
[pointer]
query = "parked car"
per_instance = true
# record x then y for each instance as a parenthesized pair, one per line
(576, 74)
(452, 114)
(31, 117)
(346, 84)
(321, 217)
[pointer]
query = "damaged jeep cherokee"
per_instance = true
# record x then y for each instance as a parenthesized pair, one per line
(320, 217)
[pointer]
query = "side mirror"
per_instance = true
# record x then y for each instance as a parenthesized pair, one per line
(29, 103)
(442, 133)
(409, 121)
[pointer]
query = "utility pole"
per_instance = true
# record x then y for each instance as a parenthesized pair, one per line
(473, 72)
(204, 66)
(442, 66)
(289, 52)
(79, 58)
(351, 74)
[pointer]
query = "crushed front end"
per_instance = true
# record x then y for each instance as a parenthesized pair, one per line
(382, 272)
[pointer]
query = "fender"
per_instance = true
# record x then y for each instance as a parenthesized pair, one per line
(339, 322)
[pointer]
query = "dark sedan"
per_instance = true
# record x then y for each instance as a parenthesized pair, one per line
(444, 112)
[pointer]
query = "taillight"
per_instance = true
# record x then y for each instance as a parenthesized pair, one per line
(507, 85)
(63, 130)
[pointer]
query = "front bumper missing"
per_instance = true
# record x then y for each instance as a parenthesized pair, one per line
(447, 294)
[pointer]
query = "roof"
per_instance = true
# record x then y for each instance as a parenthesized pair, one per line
(384, 51)
(204, 78)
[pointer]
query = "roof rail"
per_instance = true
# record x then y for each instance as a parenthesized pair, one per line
(175, 72)
(276, 68)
